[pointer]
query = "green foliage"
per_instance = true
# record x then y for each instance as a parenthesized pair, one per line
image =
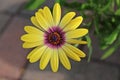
(108, 53)
(33, 4)
(117, 12)
(104, 21)
(89, 46)
(57, 1)
(110, 39)
(118, 3)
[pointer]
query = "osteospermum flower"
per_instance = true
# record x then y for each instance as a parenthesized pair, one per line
(52, 38)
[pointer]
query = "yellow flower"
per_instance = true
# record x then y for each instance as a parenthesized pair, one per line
(52, 38)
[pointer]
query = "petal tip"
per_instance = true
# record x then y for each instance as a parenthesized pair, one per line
(22, 38)
(84, 55)
(54, 70)
(25, 28)
(42, 68)
(69, 68)
(78, 59)
(81, 17)
(86, 31)
(31, 61)
(57, 4)
(28, 57)
(23, 46)
(32, 17)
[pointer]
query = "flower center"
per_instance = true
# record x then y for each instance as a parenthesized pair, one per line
(54, 37)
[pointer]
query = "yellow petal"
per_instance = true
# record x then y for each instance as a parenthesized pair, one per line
(54, 61)
(75, 41)
(45, 58)
(32, 44)
(71, 54)
(37, 53)
(76, 33)
(66, 19)
(76, 50)
(48, 16)
(35, 22)
(31, 37)
(32, 30)
(41, 12)
(32, 52)
(64, 59)
(73, 24)
(41, 20)
(56, 14)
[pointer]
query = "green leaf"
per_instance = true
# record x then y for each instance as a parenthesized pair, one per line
(107, 6)
(84, 6)
(108, 53)
(118, 3)
(89, 47)
(57, 1)
(113, 19)
(117, 12)
(88, 40)
(33, 4)
(104, 46)
(113, 36)
(96, 24)
(111, 50)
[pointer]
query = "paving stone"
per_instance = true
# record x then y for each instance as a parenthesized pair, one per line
(3, 20)
(95, 71)
(5, 78)
(10, 5)
(80, 71)
(12, 55)
(33, 73)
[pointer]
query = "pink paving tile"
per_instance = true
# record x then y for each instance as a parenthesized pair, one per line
(12, 55)
(10, 5)
(80, 71)
(3, 20)
(33, 72)
(5, 78)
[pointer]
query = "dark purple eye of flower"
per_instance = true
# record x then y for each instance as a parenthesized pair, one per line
(54, 37)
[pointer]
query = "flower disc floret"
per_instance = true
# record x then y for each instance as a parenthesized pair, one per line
(54, 37)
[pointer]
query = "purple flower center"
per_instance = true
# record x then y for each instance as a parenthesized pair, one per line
(54, 37)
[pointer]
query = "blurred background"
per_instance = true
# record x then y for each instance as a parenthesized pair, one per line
(101, 17)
